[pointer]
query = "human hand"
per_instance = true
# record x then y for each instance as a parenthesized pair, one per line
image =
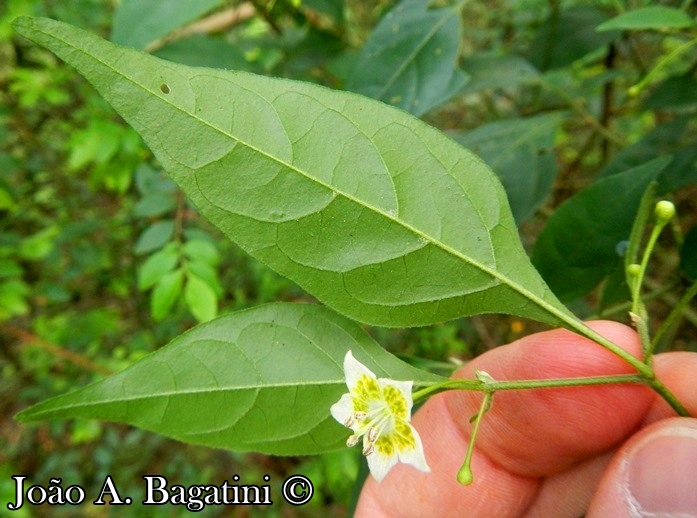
(610, 450)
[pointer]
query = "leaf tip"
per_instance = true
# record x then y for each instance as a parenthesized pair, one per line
(22, 24)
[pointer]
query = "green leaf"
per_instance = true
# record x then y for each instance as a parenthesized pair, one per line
(366, 207)
(207, 274)
(200, 298)
(675, 93)
(520, 153)
(569, 35)
(156, 266)
(676, 138)
(205, 51)
(137, 23)
(493, 71)
(410, 59)
(201, 250)
(582, 241)
(257, 380)
(155, 236)
(166, 293)
(154, 204)
(654, 17)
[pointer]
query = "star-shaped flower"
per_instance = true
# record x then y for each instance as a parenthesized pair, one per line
(379, 410)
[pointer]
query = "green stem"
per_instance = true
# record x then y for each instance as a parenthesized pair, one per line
(477, 385)
(646, 371)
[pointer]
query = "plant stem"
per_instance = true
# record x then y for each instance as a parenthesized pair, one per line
(477, 385)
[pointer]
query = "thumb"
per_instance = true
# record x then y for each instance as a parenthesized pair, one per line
(652, 474)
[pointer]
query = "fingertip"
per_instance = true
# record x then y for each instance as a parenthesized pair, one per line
(652, 474)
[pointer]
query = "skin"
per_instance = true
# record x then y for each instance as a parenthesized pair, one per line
(545, 452)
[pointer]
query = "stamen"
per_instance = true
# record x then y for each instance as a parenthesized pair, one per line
(369, 448)
(372, 435)
(352, 440)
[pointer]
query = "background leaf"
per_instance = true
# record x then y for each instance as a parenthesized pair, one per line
(489, 70)
(507, 144)
(575, 27)
(653, 17)
(200, 298)
(166, 293)
(580, 245)
(257, 380)
(137, 23)
(675, 138)
(369, 209)
(410, 60)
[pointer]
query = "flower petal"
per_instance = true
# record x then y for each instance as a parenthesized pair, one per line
(397, 395)
(342, 409)
(380, 464)
(415, 456)
(353, 370)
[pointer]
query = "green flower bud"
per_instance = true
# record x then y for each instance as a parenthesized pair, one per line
(665, 210)
(633, 269)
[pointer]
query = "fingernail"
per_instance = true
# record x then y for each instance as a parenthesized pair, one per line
(661, 473)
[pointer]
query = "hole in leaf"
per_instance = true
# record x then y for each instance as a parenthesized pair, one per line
(164, 88)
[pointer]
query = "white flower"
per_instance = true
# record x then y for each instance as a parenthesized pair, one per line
(379, 410)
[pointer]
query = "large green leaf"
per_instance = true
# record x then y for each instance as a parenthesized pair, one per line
(410, 59)
(520, 152)
(369, 209)
(582, 242)
(258, 380)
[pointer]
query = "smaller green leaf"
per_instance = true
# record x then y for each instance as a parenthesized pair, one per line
(569, 35)
(137, 23)
(206, 51)
(654, 17)
(155, 236)
(583, 240)
(410, 59)
(200, 250)
(39, 245)
(154, 204)
(200, 298)
(494, 71)
(676, 138)
(520, 151)
(207, 274)
(156, 266)
(166, 293)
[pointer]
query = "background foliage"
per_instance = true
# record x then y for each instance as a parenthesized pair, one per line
(577, 106)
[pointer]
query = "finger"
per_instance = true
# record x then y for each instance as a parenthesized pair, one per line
(526, 434)
(654, 471)
(570, 493)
